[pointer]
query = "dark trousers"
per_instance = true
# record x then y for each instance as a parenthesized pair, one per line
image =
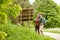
(37, 29)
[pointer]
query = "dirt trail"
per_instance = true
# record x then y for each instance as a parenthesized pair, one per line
(53, 35)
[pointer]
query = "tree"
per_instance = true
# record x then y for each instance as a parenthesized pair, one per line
(50, 10)
(8, 8)
(24, 3)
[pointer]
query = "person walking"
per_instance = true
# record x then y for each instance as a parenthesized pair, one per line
(42, 23)
(37, 24)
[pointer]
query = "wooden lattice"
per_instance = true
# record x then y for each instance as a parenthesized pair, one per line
(26, 15)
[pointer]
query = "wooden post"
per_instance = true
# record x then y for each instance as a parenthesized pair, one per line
(21, 18)
(29, 19)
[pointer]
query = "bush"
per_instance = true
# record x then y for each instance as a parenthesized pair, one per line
(14, 10)
(8, 8)
(3, 35)
(21, 33)
(3, 18)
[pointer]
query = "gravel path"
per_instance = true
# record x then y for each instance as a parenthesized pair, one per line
(53, 35)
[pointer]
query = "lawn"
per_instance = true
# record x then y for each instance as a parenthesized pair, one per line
(15, 32)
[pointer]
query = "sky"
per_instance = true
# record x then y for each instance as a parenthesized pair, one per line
(56, 1)
(31, 1)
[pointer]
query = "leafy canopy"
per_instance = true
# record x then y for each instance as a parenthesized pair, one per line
(8, 8)
(49, 10)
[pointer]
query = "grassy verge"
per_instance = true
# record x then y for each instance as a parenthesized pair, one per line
(15, 32)
(53, 30)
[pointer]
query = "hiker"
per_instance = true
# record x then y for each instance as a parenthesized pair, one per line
(42, 23)
(37, 24)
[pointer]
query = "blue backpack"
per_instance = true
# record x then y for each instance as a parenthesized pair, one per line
(42, 19)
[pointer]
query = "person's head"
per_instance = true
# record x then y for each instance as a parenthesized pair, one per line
(38, 16)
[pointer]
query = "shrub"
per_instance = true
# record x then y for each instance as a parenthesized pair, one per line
(8, 8)
(3, 35)
(3, 17)
(14, 10)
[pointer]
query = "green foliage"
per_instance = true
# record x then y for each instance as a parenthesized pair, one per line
(3, 35)
(3, 17)
(24, 3)
(8, 8)
(21, 33)
(50, 11)
(14, 10)
(5, 2)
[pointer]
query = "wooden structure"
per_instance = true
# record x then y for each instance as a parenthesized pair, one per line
(26, 15)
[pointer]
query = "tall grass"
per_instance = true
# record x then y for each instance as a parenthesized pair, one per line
(15, 32)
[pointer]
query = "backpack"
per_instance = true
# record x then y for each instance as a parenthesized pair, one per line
(43, 20)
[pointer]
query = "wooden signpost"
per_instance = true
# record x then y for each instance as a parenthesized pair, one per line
(26, 15)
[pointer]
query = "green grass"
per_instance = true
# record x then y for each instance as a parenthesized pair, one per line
(15, 32)
(53, 30)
